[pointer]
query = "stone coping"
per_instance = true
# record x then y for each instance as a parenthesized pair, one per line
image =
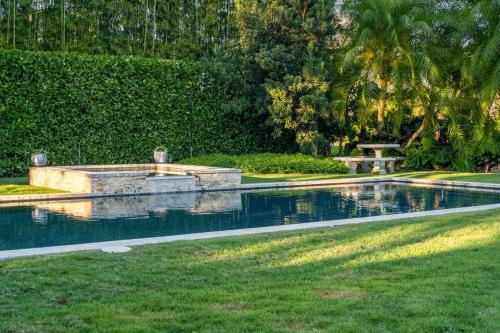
(378, 146)
(160, 177)
(8, 254)
(197, 168)
(364, 159)
(12, 200)
(139, 169)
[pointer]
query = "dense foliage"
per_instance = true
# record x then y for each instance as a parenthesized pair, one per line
(313, 73)
(287, 47)
(116, 109)
(406, 71)
(270, 163)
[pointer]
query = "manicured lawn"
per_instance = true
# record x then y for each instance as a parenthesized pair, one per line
(439, 274)
(252, 178)
(25, 189)
(457, 176)
(19, 185)
(436, 175)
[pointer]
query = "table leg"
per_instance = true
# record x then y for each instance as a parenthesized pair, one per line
(352, 166)
(378, 153)
(379, 167)
(391, 165)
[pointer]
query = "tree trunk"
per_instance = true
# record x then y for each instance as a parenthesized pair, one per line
(145, 27)
(314, 143)
(154, 27)
(494, 107)
(14, 25)
(8, 22)
(63, 24)
(382, 102)
(415, 135)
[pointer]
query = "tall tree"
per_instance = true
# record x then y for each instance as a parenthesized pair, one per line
(287, 48)
(385, 44)
(63, 24)
(164, 28)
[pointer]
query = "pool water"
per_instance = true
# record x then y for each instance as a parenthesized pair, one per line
(87, 221)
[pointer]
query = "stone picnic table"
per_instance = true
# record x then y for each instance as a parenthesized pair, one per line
(379, 162)
(378, 147)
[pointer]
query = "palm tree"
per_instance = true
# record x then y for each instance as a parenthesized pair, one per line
(460, 98)
(479, 35)
(385, 44)
(482, 63)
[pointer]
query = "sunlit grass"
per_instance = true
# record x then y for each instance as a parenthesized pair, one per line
(25, 189)
(20, 185)
(435, 175)
(457, 176)
(436, 274)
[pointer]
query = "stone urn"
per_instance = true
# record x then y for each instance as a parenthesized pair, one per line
(39, 159)
(161, 155)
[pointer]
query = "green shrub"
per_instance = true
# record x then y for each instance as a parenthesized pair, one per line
(428, 157)
(118, 109)
(270, 163)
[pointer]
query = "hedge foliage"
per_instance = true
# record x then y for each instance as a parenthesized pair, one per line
(118, 109)
(270, 163)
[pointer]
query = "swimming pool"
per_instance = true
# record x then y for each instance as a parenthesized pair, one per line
(56, 223)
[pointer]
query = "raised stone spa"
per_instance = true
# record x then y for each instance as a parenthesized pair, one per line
(125, 179)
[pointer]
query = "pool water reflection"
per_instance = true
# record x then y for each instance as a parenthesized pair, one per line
(86, 221)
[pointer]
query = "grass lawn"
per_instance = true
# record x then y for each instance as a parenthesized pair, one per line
(439, 274)
(252, 178)
(19, 185)
(436, 175)
(457, 176)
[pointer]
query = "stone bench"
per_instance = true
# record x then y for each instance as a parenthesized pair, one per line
(379, 163)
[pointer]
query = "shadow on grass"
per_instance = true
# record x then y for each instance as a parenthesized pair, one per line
(344, 243)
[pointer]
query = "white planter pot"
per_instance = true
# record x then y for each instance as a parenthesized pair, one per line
(161, 157)
(39, 159)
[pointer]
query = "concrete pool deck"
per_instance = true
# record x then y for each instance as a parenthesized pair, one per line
(22, 200)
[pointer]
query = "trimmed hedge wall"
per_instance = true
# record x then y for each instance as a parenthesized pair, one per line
(117, 108)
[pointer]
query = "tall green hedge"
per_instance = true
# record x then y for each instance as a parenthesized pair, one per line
(118, 109)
